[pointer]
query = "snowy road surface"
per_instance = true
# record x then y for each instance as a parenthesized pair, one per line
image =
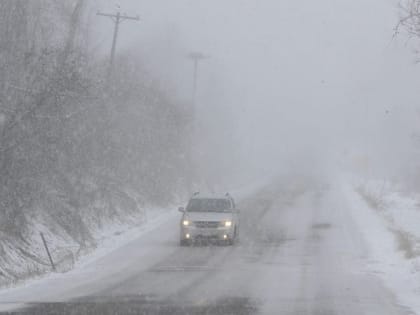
(300, 252)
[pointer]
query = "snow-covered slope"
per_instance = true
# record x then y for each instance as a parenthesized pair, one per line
(390, 221)
(70, 234)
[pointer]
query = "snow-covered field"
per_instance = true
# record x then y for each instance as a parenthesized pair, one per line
(389, 218)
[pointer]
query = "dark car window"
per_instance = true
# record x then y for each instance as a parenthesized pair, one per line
(209, 205)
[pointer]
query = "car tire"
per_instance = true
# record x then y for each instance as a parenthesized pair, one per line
(232, 241)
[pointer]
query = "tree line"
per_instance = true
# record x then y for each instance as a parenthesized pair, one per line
(70, 138)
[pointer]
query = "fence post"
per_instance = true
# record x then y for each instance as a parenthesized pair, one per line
(47, 250)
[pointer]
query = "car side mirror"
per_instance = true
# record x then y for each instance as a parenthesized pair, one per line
(181, 209)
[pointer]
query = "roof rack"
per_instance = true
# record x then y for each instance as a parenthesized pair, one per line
(228, 196)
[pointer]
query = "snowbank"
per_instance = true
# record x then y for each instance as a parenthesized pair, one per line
(390, 221)
(71, 236)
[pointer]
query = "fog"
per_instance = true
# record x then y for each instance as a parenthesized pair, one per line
(322, 83)
(115, 163)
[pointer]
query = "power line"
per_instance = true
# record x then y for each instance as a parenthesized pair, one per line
(117, 18)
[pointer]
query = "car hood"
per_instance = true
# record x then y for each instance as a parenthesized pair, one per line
(208, 216)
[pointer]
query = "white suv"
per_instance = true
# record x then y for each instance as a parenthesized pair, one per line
(209, 218)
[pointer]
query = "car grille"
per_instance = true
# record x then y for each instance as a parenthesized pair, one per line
(206, 224)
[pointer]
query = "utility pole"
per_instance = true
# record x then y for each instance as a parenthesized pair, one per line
(196, 57)
(117, 19)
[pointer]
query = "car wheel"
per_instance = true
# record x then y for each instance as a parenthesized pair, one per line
(231, 241)
(234, 238)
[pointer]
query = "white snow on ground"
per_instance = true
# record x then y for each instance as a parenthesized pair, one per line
(69, 236)
(91, 265)
(109, 239)
(115, 236)
(390, 222)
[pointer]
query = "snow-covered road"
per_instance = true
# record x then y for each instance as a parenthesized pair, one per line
(300, 252)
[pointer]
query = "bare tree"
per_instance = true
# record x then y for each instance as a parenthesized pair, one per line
(409, 17)
(61, 128)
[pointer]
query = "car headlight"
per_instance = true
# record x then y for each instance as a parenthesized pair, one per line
(185, 223)
(228, 223)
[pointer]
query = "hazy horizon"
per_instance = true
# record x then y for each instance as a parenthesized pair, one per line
(315, 82)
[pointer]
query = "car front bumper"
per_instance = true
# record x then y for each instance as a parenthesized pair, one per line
(221, 233)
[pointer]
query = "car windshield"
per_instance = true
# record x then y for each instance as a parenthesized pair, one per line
(209, 205)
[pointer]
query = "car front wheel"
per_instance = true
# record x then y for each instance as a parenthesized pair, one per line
(232, 240)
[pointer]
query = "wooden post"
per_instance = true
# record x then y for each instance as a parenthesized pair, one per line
(47, 250)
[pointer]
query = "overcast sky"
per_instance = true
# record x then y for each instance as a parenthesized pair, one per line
(314, 80)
